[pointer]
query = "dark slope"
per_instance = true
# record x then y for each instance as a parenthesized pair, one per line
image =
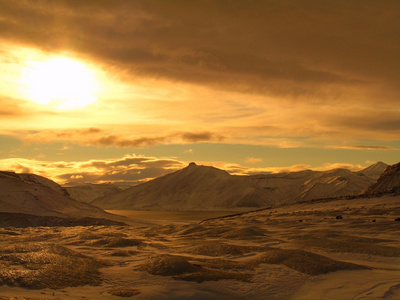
(389, 182)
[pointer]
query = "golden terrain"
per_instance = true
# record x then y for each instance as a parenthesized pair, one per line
(301, 251)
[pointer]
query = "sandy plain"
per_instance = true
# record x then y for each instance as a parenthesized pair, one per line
(301, 251)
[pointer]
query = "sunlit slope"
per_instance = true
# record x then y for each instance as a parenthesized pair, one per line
(36, 195)
(192, 188)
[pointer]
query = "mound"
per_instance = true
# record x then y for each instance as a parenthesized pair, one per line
(350, 244)
(180, 268)
(124, 292)
(168, 265)
(222, 249)
(122, 253)
(244, 233)
(305, 262)
(42, 265)
(203, 231)
(213, 275)
(116, 242)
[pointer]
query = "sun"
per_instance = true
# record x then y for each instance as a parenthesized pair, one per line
(60, 82)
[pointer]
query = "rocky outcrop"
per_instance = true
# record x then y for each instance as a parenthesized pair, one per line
(389, 182)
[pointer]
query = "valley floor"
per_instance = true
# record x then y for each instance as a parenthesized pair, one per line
(337, 249)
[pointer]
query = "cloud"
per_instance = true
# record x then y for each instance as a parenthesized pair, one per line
(19, 168)
(253, 160)
(236, 169)
(134, 142)
(362, 147)
(331, 166)
(193, 137)
(130, 169)
(286, 48)
(113, 140)
(98, 137)
(13, 108)
(363, 122)
(279, 73)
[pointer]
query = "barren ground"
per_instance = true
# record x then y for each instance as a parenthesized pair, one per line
(300, 251)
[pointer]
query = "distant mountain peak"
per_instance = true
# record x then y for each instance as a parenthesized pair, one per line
(192, 164)
(374, 171)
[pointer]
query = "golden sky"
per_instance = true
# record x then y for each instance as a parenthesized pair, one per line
(128, 90)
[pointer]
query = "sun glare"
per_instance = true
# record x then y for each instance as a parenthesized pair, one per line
(61, 82)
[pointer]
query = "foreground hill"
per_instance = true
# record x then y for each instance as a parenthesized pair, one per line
(389, 182)
(208, 188)
(35, 195)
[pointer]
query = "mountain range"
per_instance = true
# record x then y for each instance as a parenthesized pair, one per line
(207, 188)
(194, 188)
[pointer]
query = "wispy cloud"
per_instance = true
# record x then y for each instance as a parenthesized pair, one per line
(331, 166)
(253, 160)
(12, 108)
(237, 169)
(97, 137)
(362, 147)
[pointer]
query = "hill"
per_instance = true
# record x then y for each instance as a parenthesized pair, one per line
(35, 195)
(192, 188)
